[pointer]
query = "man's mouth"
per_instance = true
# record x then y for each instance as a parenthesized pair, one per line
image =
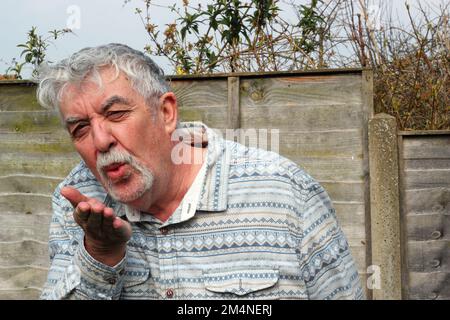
(116, 171)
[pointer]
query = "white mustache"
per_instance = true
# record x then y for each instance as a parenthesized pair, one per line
(145, 174)
(114, 156)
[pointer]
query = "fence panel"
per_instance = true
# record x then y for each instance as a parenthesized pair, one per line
(322, 121)
(425, 206)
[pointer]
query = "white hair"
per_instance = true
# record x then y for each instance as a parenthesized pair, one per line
(146, 77)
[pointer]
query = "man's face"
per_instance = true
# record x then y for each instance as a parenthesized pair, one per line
(114, 132)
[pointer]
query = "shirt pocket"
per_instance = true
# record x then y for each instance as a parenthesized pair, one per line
(240, 282)
(135, 277)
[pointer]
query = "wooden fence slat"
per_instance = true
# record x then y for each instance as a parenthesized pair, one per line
(430, 200)
(367, 94)
(19, 226)
(426, 147)
(427, 164)
(58, 142)
(350, 214)
(429, 256)
(213, 117)
(300, 91)
(429, 285)
(302, 118)
(358, 252)
(28, 184)
(11, 164)
(18, 98)
(332, 169)
(337, 144)
(422, 179)
(26, 203)
(22, 277)
(234, 112)
(194, 94)
(344, 190)
(25, 252)
(425, 227)
(20, 294)
(354, 233)
(29, 121)
(403, 223)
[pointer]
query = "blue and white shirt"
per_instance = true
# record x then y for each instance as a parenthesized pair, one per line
(262, 228)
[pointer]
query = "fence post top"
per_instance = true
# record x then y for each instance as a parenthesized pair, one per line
(383, 116)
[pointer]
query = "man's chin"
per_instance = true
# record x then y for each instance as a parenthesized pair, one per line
(125, 196)
(127, 191)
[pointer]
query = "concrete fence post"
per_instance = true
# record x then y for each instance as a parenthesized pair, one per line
(385, 207)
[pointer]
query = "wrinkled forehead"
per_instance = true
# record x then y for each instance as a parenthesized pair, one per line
(95, 85)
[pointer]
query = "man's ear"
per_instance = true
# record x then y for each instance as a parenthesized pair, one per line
(169, 111)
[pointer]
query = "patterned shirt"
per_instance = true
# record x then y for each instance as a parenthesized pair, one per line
(260, 228)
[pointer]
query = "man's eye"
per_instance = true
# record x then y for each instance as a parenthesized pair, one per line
(79, 131)
(117, 115)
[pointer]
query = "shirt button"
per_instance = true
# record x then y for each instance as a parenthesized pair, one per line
(163, 231)
(111, 280)
(169, 293)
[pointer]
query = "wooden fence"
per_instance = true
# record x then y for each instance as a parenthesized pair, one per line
(322, 118)
(410, 209)
(425, 213)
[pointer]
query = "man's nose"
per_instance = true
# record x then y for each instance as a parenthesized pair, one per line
(102, 136)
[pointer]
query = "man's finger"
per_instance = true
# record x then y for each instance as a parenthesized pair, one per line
(122, 228)
(108, 217)
(95, 220)
(73, 195)
(82, 212)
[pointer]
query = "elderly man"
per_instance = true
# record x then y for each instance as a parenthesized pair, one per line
(132, 221)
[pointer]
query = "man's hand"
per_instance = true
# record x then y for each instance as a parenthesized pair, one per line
(105, 235)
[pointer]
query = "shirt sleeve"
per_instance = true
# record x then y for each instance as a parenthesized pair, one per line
(73, 273)
(326, 263)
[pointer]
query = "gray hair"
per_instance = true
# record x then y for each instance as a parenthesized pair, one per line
(146, 77)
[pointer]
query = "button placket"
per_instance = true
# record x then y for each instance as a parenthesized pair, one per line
(166, 257)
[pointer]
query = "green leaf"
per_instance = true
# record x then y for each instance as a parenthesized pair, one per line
(213, 24)
(29, 57)
(183, 33)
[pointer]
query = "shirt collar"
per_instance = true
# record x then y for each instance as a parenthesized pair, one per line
(214, 192)
(213, 177)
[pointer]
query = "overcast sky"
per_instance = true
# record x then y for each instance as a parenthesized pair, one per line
(100, 21)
